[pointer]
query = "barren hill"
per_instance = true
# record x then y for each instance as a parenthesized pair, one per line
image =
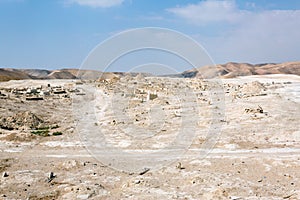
(13, 74)
(19, 74)
(231, 69)
(37, 73)
(228, 70)
(48, 74)
(84, 74)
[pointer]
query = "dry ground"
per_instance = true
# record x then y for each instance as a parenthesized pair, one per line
(256, 154)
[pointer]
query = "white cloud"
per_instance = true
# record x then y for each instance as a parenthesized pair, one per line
(267, 36)
(210, 11)
(250, 36)
(96, 3)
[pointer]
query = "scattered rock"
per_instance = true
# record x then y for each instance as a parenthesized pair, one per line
(5, 174)
(235, 198)
(259, 109)
(70, 164)
(144, 171)
(51, 177)
(83, 196)
(5, 163)
(179, 166)
(288, 196)
(34, 98)
(260, 180)
(253, 89)
(252, 110)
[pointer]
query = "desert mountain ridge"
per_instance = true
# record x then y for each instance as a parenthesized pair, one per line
(232, 69)
(228, 70)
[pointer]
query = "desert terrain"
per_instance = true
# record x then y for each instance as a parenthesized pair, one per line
(227, 70)
(137, 137)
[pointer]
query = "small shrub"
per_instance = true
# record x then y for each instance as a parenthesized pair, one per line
(54, 126)
(43, 133)
(43, 128)
(57, 133)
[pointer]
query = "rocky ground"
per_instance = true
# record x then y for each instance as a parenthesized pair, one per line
(151, 138)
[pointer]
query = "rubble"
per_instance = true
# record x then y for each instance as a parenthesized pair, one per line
(256, 110)
(246, 90)
(21, 120)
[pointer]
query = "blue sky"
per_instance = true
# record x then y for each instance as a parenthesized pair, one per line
(60, 33)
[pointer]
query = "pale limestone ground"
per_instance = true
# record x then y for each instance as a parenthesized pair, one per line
(256, 155)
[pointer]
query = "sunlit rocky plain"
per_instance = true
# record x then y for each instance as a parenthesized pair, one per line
(233, 138)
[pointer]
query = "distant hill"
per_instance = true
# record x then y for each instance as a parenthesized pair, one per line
(17, 74)
(231, 70)
(84, 74)
(48, 74)
(7, 74)
(36, 73)
(13, 74)
(228, 70)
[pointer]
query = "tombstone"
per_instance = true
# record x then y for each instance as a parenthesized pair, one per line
(151, 96)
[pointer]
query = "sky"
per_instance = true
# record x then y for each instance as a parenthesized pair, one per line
(53, 34)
